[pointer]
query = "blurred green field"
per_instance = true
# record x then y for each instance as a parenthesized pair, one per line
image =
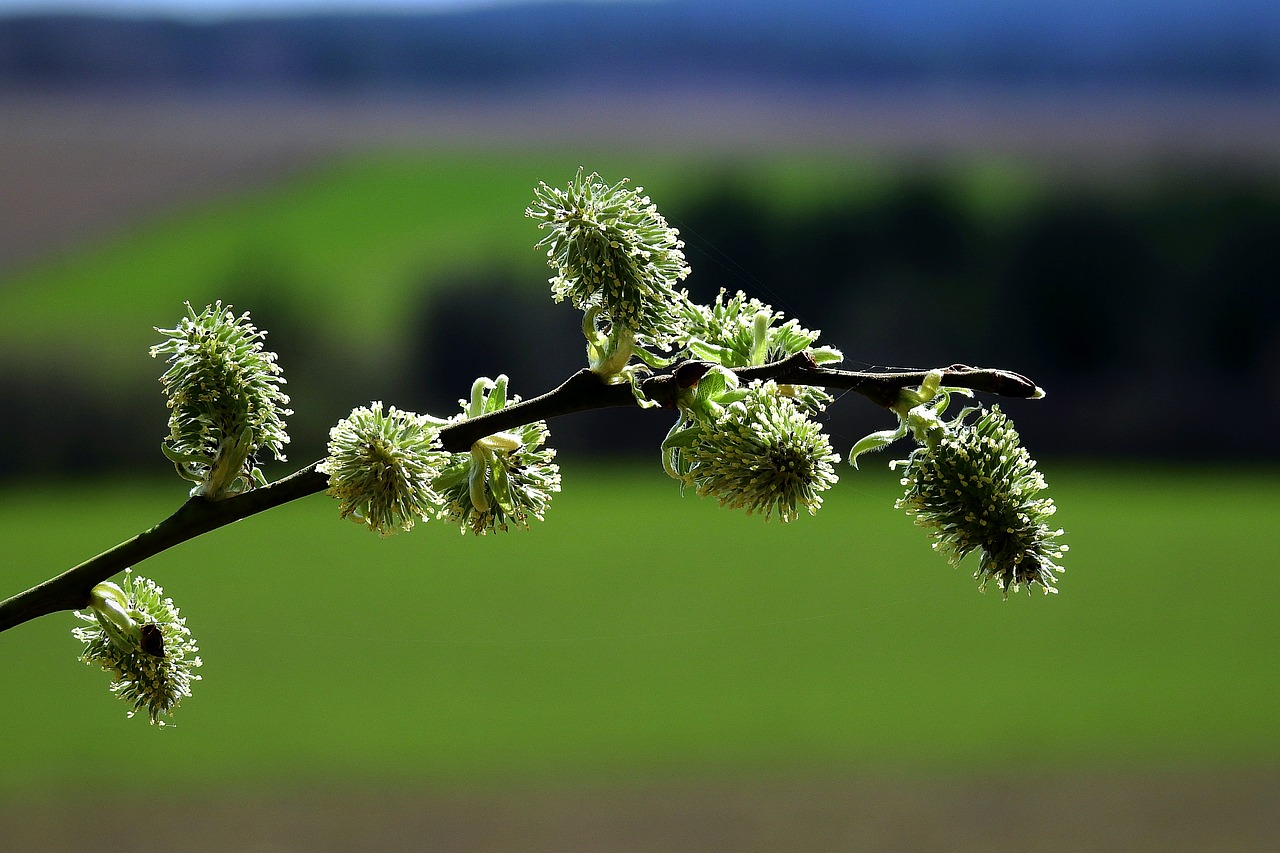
(640, 635)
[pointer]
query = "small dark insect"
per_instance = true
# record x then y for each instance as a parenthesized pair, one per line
(152, 640)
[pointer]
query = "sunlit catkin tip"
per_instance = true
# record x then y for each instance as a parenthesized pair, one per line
(224, 397)
(136, 634)
(979, 490)
(609, 247)
(381, 466)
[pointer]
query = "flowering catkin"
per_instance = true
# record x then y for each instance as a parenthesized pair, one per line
(611, 249)
(977, 490)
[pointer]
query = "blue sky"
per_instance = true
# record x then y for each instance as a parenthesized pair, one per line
(222, 8)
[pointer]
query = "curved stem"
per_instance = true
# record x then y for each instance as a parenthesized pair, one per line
(581, 392)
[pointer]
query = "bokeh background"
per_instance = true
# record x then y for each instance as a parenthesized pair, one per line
(1088, 193)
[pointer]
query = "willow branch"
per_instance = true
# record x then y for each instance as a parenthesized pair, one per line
(882, 387)
(70, 590)
(583, 391)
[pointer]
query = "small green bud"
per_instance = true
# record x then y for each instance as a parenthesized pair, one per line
(223, 392)
(976, 489)
(137, 635)
(381, 467)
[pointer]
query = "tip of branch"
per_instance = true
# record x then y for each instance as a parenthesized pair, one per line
(1010, 384)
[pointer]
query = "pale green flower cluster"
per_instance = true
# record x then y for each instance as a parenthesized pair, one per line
(735, 331)
(741, 332)
(388, 471)
(753, 449)
(226, 406)
(382, 465)
(506, 477)
(977, 489)
(136, 634)
(756, 447)
(612, 252)
(616, 258)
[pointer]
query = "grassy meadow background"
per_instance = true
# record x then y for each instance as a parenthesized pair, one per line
(637, 636)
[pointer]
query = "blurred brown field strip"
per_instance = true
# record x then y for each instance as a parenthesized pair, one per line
(1152, 811)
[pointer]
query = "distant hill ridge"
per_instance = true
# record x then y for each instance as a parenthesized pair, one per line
(827, 43)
